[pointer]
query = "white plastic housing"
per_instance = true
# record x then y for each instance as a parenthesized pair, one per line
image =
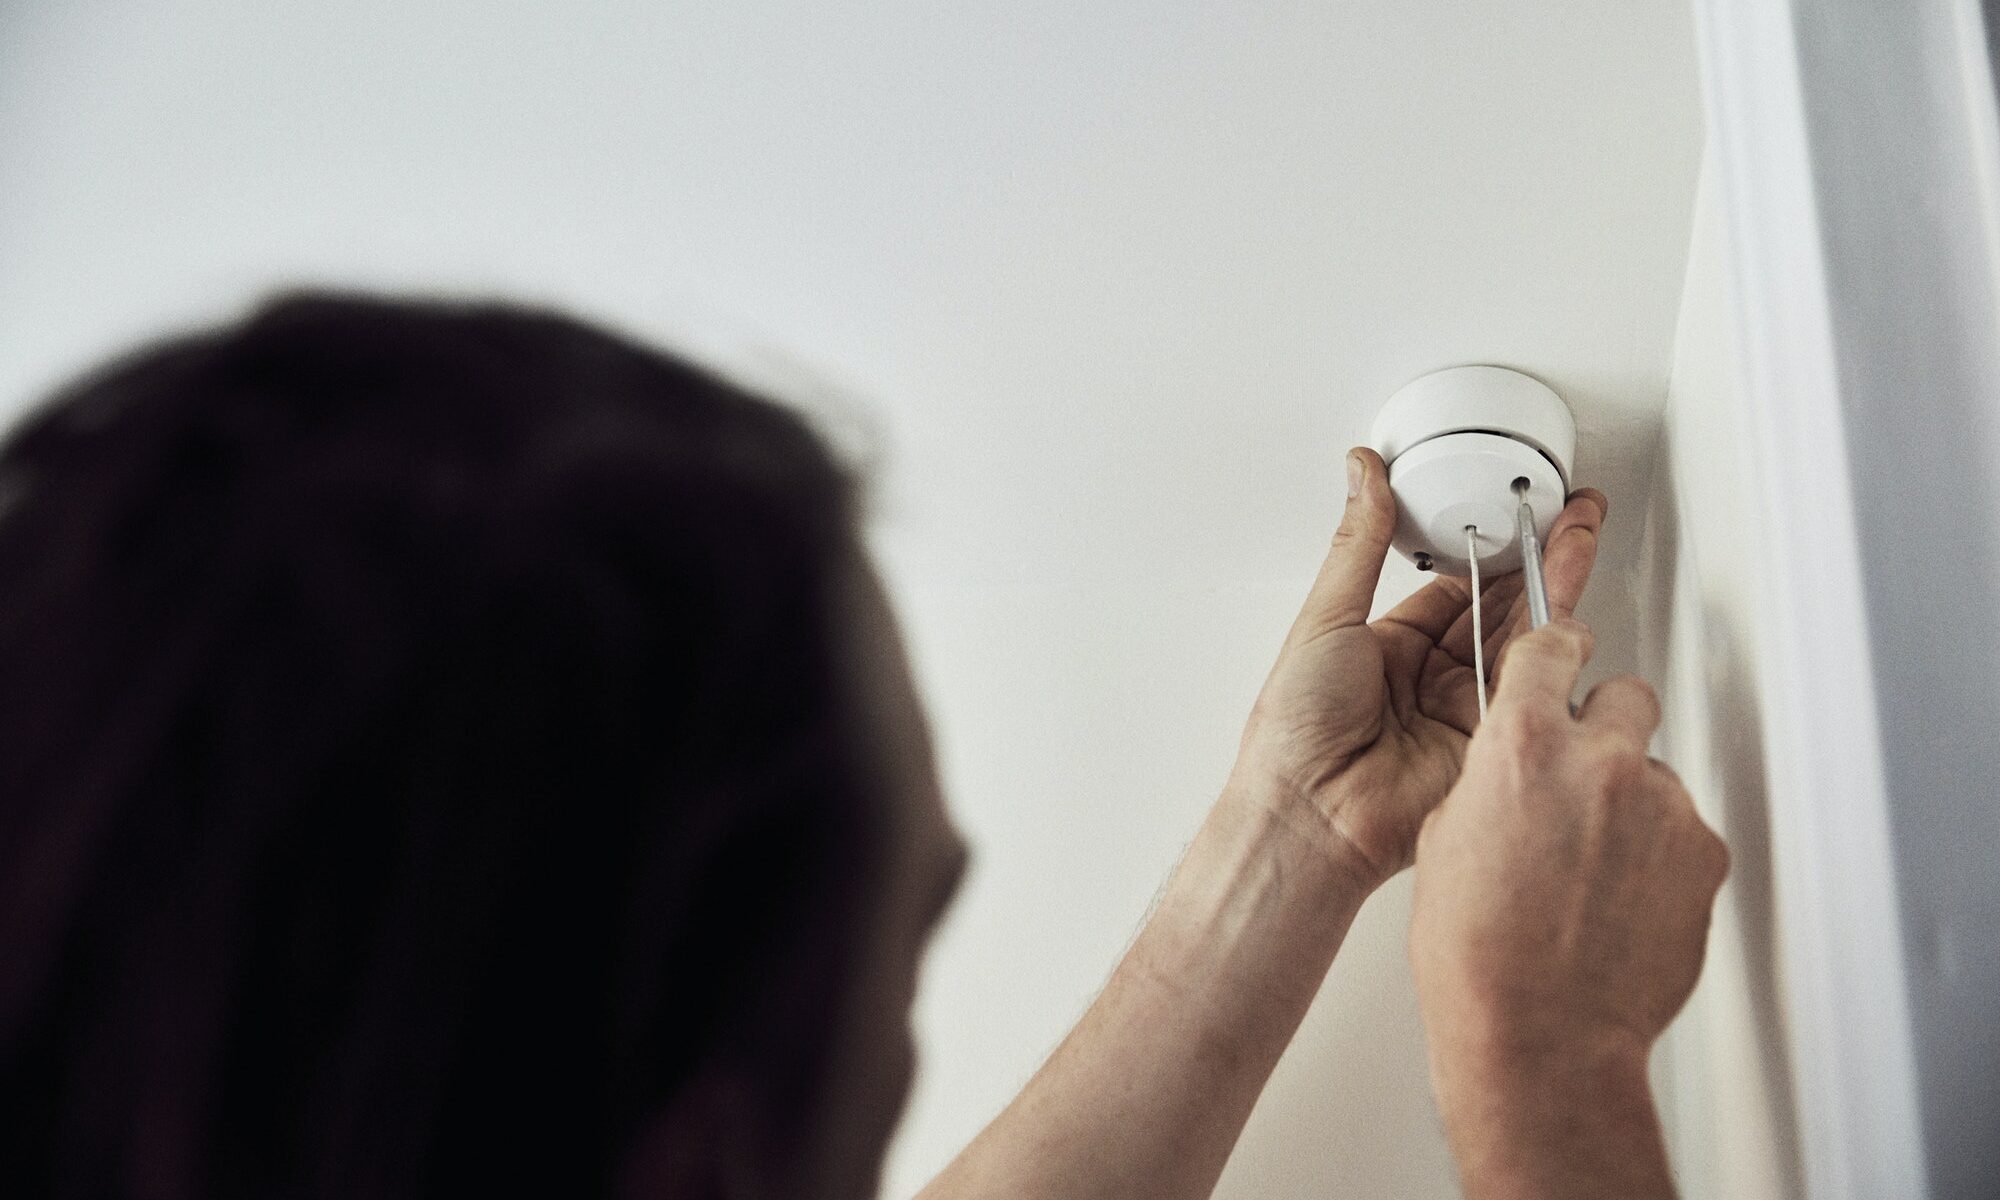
(1455, 441)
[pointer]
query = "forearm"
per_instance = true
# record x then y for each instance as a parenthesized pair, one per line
(1146, 1097)
(1560, 1123)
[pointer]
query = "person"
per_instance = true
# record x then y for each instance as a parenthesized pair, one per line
(451, 749)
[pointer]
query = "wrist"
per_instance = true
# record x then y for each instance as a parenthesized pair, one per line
(1536, 1070)
(1307, 820)
(1252, 916)
(1551, 1118)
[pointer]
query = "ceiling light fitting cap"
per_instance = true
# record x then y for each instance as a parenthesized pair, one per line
(1456, 441)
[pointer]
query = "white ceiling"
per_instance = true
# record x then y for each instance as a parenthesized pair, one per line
(1114, 284)
(1118, 258)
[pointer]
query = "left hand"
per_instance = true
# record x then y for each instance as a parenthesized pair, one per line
(1368, 723)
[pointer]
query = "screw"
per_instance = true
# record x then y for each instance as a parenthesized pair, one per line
(1423, 561)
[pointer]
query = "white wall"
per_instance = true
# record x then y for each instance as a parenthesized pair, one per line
(1114, 283)
(1704, 619)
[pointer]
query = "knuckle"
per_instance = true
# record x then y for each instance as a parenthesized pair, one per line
(1670, 780)
(1715, 855)
(1523, 732)
(1564, 639)
(1359, 529)
(1550, 641)
(1574, 634)
(1640, 691)
(1613, 769)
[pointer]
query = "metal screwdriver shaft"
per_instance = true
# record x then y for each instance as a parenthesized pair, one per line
(1531, 570)
(1478, 620)
(1531, 563)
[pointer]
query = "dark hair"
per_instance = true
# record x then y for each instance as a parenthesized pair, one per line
(421, 754)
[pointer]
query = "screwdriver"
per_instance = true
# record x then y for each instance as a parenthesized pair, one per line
(1531, 560)
(1532, 579)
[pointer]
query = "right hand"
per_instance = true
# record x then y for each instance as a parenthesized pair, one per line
(1563, 887)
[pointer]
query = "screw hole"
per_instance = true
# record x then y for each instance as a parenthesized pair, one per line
(1521, 485)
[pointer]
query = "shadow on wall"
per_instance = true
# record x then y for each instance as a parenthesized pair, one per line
(1616, 449)
(1736, 749)
(1695, 646)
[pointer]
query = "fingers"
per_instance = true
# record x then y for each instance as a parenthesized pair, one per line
(1345, 589)
(1566, 564)
(1572, 549)
(1715, 855)
(1624, 705)
(1707, 846)
(1439, 610)
(1447, 691)
(1541, 668)
(1670, 776)
(1499, 602)
(1433, 608)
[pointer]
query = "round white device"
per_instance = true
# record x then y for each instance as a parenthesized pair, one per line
(1456, 442)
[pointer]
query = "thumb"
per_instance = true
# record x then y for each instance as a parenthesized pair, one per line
(1345, 589)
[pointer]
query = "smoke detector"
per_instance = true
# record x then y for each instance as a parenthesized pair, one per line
(1458, 442)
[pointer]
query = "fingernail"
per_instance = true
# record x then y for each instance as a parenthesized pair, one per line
(1356, 469)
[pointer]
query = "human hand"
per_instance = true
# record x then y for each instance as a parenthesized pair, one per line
(1562, 902)
(1364, 724)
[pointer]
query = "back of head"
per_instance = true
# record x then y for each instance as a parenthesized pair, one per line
(423, 759)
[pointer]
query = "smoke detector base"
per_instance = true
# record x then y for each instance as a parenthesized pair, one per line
(1456, 442)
